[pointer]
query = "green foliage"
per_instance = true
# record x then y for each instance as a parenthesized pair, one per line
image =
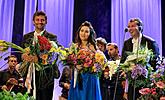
(6, 95)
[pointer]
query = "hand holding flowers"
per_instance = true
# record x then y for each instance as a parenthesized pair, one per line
(85, 60)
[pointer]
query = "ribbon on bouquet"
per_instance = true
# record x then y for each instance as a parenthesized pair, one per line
(29, 77)
(75, 77)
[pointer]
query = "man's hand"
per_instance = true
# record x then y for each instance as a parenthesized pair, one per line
(4, 87)
(123, 74)
(106, 75)
(12, 81)
(125, 96)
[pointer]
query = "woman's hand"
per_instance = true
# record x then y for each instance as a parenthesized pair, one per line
(79, 67)
(67, 85)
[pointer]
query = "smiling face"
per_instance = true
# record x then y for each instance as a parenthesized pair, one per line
(84, 33)
(133, 29)
(39, 22)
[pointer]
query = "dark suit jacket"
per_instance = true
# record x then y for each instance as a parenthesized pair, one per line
(128, 46)
(28, 38)
(5, 75)
(65, 78)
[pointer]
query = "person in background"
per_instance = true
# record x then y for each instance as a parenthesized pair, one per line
(101, 44)
(108, 85)
(113, 51)
(137, 41)
(64, 83)
(10, 79)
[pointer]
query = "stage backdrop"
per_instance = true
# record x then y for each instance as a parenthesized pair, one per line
(149, 11)
(60, 17)
(6, 23)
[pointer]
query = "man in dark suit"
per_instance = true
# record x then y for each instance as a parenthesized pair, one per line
(108, 85)
(44, 83)
(64, 83)
(10, 79)
(137, 41)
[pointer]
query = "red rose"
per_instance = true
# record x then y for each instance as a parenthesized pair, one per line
(44, 43)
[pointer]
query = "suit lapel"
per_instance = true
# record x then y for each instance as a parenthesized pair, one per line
(130, 45)
(143, 42)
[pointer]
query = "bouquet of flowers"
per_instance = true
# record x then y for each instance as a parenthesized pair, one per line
(113, 67)
(37, 56)
(155, 87)
(137, 66)
(87, 60)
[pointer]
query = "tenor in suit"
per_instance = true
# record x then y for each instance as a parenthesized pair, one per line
(44, 80)
(151, 44)
(137, 41)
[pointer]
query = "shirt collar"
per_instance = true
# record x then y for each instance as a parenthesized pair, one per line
(41, 33)
(136, 40)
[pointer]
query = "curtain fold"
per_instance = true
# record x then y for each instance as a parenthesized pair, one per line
(149, 11)
(30, 8)
(6, 22)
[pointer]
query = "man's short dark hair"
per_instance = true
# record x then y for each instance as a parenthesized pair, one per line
(11, 56)
(113, 44)
(38, 13)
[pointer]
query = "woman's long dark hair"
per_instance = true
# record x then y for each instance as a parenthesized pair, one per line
(92, 36)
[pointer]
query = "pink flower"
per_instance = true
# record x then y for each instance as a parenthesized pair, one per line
(160, 84)
(153, 91)
(144, 91)
(162, 98)
(88, 62)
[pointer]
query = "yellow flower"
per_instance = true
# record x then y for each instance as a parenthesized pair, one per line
(3, 46)
(44, 58)
(63, 52)
(52, 49)
(99, 58)
(94, 69)
(1, 41)
(27, 50)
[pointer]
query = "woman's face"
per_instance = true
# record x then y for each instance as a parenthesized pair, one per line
(84, 33)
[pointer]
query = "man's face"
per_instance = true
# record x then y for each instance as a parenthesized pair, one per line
(101, 47)
(12, 62)
(133, 29)
(39, 22)
(112, 52)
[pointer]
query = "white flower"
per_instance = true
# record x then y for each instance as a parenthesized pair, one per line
(112, 65)
(53, 44)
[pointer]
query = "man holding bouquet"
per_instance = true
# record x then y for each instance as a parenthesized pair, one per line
(43, 77)
(136, 43)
